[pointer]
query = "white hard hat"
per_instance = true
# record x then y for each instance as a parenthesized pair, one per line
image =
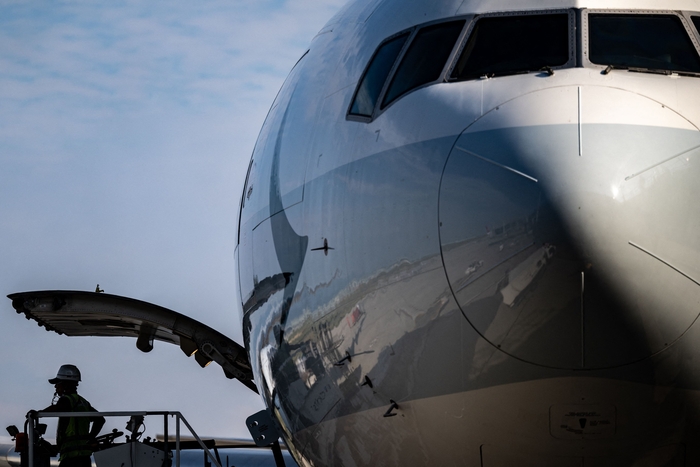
(66, 373)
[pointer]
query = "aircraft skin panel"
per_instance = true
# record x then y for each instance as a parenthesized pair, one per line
(450, 107)
(487, 254)
(544, 428)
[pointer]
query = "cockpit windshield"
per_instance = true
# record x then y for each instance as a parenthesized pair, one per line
(519, 42)
(425, 58)
(373, 80)
(506, 45)
(655, 42)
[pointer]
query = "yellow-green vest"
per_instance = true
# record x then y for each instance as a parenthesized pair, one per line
(73, 433)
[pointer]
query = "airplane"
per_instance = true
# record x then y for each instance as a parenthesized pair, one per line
(468, 236)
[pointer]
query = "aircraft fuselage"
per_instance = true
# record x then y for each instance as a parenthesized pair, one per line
(451, 254)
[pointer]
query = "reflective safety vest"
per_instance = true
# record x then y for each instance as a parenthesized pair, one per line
(73, 434)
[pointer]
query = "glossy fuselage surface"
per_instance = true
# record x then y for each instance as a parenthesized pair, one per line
(482, 272)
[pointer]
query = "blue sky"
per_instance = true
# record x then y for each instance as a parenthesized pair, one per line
(126, 128)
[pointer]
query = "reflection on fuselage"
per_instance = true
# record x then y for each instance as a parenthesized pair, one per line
(513, 261)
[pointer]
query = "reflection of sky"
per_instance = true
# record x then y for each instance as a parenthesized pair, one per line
(125, 132)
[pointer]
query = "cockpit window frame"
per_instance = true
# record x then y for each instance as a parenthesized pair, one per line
(378, 109)
(366, 119)
(472, 24)
(585, 36)
(688, 15)
(441, 77)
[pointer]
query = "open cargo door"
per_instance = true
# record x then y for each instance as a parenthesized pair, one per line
(98, 314)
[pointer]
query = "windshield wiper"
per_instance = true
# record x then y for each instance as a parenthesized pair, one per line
(656, 71)
(610, 68)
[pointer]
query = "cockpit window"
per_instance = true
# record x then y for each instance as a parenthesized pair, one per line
(425, 58)
(658, 42)
(375, 76)
(506, 45)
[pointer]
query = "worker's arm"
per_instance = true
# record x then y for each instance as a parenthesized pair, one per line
(62, 405)
(97, 424)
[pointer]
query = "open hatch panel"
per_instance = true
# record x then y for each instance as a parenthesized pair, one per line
(75, 313)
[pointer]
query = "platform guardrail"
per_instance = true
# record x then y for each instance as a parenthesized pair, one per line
(33, 418)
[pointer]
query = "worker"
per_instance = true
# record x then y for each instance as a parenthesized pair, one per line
(74, 434)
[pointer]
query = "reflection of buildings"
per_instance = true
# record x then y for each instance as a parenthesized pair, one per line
(513, 228)
(307, 360)
(520, 277)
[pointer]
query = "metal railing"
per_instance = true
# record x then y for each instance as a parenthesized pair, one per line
(33, 417)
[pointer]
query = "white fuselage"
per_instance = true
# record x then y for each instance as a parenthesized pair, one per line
(486, 270)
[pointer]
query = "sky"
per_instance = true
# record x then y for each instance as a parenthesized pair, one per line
(126, 128)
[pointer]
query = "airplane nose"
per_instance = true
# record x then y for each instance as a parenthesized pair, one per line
(568, 226)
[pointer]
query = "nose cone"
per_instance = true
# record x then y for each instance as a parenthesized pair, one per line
(568, 223)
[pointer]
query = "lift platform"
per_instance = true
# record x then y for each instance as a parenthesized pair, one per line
(166, 450)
